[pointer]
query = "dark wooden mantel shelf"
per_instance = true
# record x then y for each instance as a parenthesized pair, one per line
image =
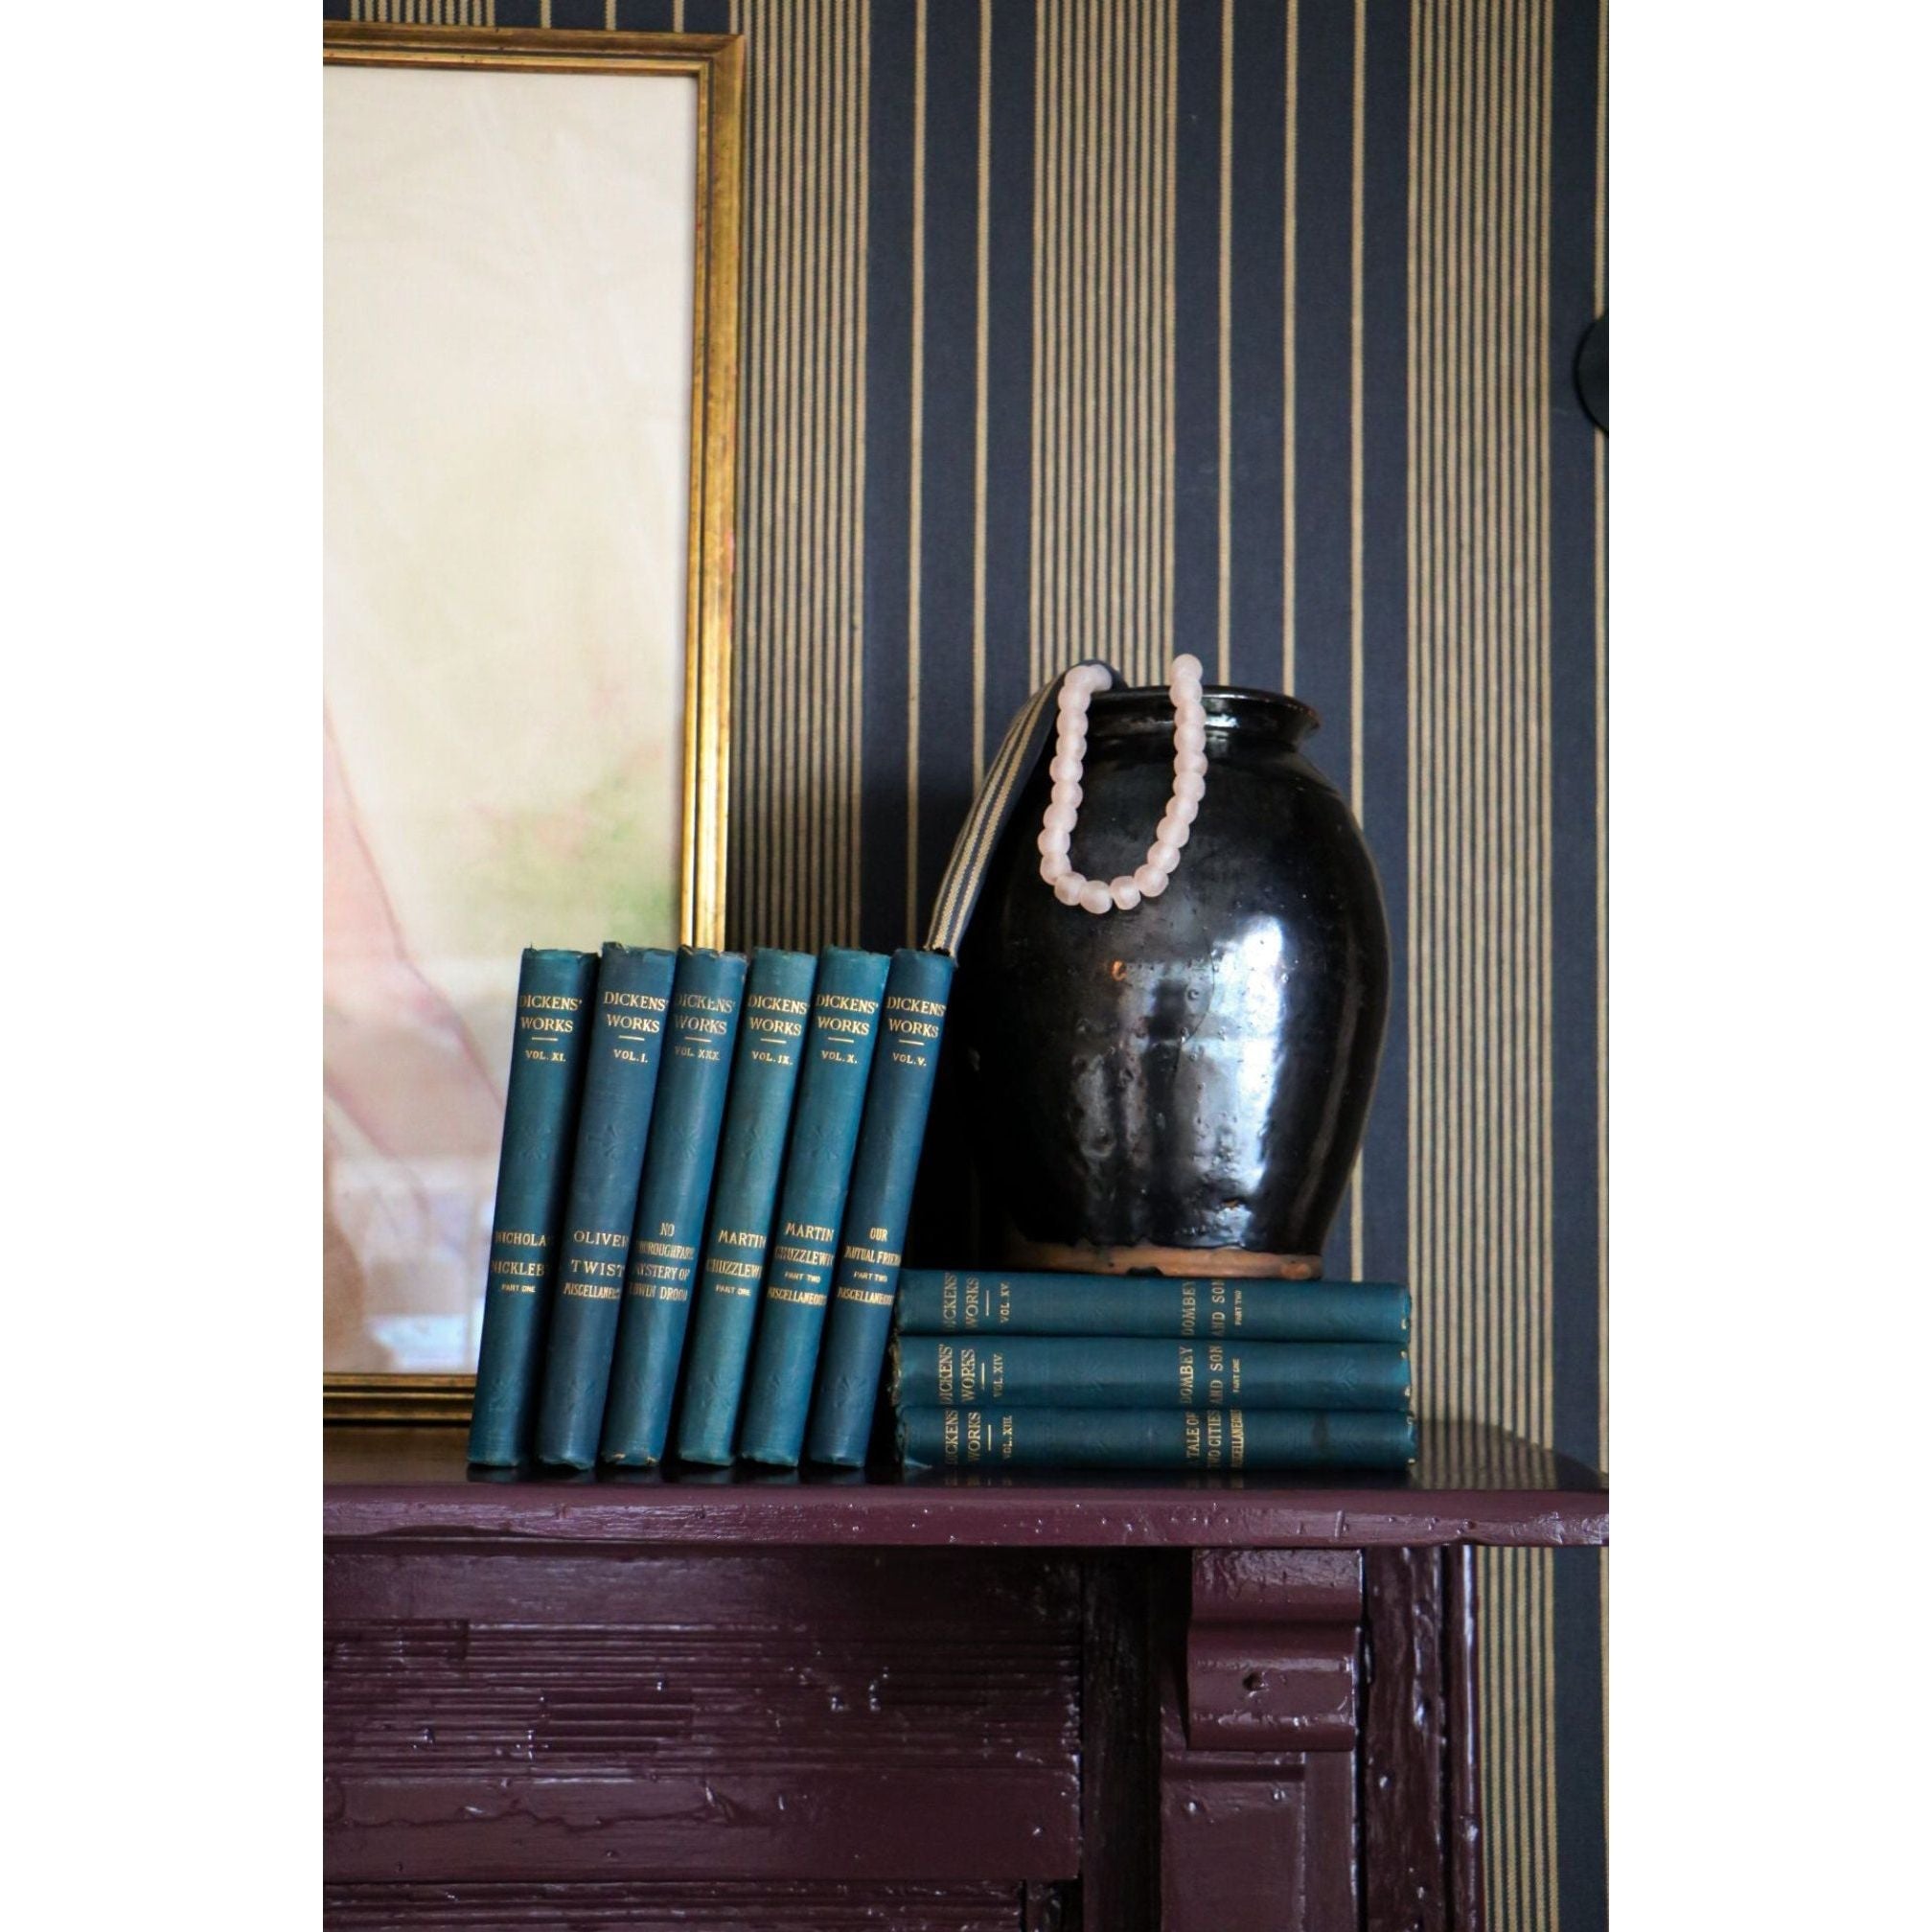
(1049, 1702)
(1470, 1485)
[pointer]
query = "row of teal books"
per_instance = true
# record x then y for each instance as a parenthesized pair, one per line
(706, 1171)
(1037, 1371)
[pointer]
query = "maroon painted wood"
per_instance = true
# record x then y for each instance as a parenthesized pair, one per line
(1462, 1820)
(1405, 1744)
(1120, 1640)
(1256, 1838)
(799, 1717)
(1469, 1485)
(727, 1906)
(1423, 1834)
(1271, 1650)
(789, 1703)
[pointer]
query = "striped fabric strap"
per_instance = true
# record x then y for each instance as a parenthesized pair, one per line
(1026, 739)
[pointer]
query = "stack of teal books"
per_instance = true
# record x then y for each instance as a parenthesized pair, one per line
(1039, 1371)
(706, 1171)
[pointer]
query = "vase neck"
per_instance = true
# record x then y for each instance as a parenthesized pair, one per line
(1128, 711)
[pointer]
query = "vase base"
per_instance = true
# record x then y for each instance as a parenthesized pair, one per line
(1081, 1257)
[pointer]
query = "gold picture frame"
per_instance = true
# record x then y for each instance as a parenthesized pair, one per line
(716, 63)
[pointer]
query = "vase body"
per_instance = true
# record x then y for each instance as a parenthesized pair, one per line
(1184, 1085)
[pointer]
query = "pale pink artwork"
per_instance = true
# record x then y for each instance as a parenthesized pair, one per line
(507, 342)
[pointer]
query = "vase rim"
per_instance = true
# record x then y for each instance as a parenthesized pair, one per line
(1220, 701)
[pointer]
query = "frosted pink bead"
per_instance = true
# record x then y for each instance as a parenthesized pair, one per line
(1067, 768)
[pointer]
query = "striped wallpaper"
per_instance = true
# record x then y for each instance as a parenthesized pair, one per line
(1115, 327)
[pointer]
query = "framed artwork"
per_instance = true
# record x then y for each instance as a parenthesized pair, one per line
(530, 415)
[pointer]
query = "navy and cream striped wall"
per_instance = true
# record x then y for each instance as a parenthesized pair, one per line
(1117, 327)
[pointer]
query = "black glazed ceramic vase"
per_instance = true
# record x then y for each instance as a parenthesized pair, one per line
(1184, 1085)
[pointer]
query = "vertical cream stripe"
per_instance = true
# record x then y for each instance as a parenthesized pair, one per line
(812, 753)
(1421, 709)
(852, 510)
(748, 679)
(915, 529)
(785, 627)
(982, 247)
(793, 877)
(860, 62)
(1479, 888)
(849, 404)
(753, 680)
(785, 636)
(1042, 348)
(822, 581)
(1358, 168)
(1225, 317)
(1289, 176)
(1540, 733)
(1077, 51)
(1109, 427)
(1133, 328)
(1600, 518)
(1103, 313)
(1159, 448)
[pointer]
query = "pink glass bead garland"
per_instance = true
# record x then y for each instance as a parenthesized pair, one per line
(1063, 811)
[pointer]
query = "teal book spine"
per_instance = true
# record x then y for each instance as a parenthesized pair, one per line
(804, 1247)
(1044, 1372)
(546, 1076)
(633, 1002)
(949, 1301)
(669, 1230)
(1154, 1438)
(898, 1097)
(750, 1160)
